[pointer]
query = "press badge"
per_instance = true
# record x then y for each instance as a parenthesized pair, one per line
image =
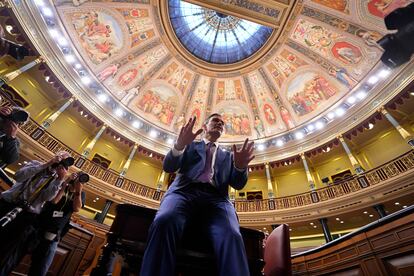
(57, 214)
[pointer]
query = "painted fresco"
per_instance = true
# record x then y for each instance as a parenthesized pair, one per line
(308, 91)
(99, 34)
(346, 52)
(341, 75)
(236, 121)
(382, 8)
(139, 24)
(199, 102)
(177, 76)
(283, 65)
(339, 5)
(160, 102)
(228, 90)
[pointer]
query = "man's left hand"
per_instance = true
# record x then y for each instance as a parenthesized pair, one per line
(243, 157)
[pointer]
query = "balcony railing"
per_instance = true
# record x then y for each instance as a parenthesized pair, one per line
(357, 182)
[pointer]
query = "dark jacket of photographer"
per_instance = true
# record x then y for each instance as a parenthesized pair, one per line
(51, 220)
(9, 149)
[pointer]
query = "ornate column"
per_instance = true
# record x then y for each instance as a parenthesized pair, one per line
(12, 75)
(128, 162)
(357, 167)
(46, 123)
(380, 210)
(404, 133)
(161, 181)
(325, 228)
(308, 174)
(101, 217)
(269, 182)
(92, 143)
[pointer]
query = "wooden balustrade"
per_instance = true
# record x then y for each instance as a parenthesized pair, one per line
(356, 183)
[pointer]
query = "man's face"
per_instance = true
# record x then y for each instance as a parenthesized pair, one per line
(214, 126)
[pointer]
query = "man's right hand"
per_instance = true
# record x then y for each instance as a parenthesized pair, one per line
(186, 135)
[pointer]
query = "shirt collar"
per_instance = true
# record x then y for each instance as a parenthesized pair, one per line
(206, 141)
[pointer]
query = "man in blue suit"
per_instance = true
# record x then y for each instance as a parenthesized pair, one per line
(200, 189)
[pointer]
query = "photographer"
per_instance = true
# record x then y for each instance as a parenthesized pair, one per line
(10, 119)
(54, 222)
(35, 184)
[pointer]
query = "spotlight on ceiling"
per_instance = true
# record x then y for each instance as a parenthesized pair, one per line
(86, 80)
(70, 58)
(373, 80)
(279, 142)
(260, 147)
(299, 135)
(340, 111)
(170, 141)
(361, 95)
(319, 125)
(310, 127)
(136, 124)
(384, 73)
(102, 97)
(119, 112)
(153, 133)
(351, 100)
(47, 12)
(370, 126)
(330, 115)
(54, 33)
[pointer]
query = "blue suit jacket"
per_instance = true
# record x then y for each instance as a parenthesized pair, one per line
(191, 163)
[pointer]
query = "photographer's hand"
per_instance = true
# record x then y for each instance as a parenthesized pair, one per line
(10, 129)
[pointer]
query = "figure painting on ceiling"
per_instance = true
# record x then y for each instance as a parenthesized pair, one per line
(236, 121)
(269, 114)
(228, 90)
(339, 5)
(161, 102)
(99, 33)
(342, 76)
(258, 126)
(127, 77)
(382, 8)
(347, 53)
(109, 71)
(307, 91)
(286, 117)
(130, 95)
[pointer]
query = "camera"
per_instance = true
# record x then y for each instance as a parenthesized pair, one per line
(18, 115)
(67, 162)
(83, 177)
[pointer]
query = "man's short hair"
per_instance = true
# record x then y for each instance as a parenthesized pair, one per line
(210, 116)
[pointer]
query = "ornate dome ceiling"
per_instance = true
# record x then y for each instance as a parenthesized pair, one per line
(279, 73)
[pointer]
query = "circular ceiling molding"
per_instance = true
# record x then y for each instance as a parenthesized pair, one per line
(216, 37)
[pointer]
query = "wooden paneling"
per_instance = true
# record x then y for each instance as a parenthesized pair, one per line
(387, 249)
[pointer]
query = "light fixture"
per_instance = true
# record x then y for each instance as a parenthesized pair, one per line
(136, 124)
(311, 223)
(24, 162)
(94, 200)
(47, 12)
(342, 221)
(384, 73)
(97, 198)
(330, 115)
(70, 58)
(86, 80)
(102, 97)
(310, 127)
(250, 169)
(78, 66)
(9, 29)
(351, 100)
(370, 126)
(361, 95)
(340, 111)
(373, 80)
(397, 203)
(319, 125)
(314, 226)
(170, 141)
(260, 147)
(412, 93)
(54, 33)
(118, 139)
(365, 212)
(39, 3)
(371, 216)
(299, 135)
(405, 206)
(119, 112)
(62, 41)
(81, 112)
(47, 78)
(279, 143)
(153, 133)
(150, 154)
(337, 219)
(19, 164)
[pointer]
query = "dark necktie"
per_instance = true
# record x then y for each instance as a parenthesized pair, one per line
(206, 174)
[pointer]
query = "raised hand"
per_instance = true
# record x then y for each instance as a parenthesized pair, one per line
(186, 135)
(243, 157)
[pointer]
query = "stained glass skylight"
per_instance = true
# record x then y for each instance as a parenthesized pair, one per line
(213, 36)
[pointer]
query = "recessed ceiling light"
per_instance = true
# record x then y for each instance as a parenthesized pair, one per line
(119, 112)
(311, 223)
(340, 111)
(330, 115)
(370, 126)
(337, 219)
(62, 41)
(361, 95)
(299, 135)
(412, 93)
(405, 206)
(86, 80)
(97, 198)
(384, 73)
(54, 33)
(9, 29)
(153, 133)
(351, 100)
(373, 80)
(342, 221)
(170, 141)
(39, 3)
(279, 143)
(102, 97)
(94, 200)
(310, 127)
(19, 164)
(319, 125)
(397, 203)
(314, 226)
(70, 58)
(260, 147)
(47, 12)
(365, 212)
(136, 124)
(371, 216)
(78, 66)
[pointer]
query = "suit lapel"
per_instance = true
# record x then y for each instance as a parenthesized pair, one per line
(218, 165)
(200, 148)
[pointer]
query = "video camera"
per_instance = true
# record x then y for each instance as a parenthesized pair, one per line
(18, 115)
(67, 162)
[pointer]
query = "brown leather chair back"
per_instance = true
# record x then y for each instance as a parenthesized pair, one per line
(277, 253)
